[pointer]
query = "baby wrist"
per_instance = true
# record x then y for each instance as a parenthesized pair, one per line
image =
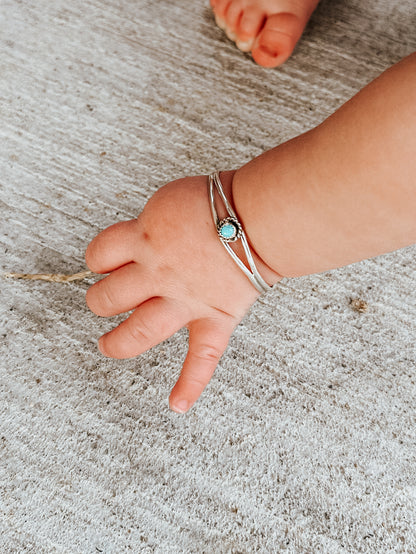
(229, 230)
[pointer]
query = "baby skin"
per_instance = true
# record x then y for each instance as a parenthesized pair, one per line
(338, 194)
(269, 29)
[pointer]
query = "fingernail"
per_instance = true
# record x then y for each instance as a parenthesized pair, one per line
(101, 346)
(181, 406)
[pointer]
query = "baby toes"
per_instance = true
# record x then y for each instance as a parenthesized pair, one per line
(239, 22)
(276, 41)
(249, 25)
(219, 8)
(232, 17)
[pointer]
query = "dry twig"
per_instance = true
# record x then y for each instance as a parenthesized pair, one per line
(51, 277)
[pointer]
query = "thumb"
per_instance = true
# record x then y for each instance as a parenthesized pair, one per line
(208, 339)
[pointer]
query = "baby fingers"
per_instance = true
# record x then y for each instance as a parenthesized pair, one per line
(208, 339)
(121, 291)
(113, 247)
(151, 323)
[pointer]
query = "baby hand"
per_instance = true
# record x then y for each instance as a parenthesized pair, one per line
(169, 266)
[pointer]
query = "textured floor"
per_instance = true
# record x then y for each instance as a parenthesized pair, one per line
(305, 439)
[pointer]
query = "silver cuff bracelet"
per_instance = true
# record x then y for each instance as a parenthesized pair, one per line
(230, 230)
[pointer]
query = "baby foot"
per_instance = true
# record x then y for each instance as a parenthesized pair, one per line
(269, 29)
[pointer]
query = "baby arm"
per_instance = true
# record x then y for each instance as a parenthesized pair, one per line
(343, 192)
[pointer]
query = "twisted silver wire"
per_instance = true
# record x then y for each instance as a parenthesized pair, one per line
(254, 276)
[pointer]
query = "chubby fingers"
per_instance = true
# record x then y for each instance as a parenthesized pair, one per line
(123, 290)
(113, 247)
(208, 338)
(151, 323)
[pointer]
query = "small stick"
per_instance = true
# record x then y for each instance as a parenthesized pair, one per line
(51, 277)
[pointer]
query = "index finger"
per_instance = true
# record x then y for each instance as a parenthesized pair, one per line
(113, 247)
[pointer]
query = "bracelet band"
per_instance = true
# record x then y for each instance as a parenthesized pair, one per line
(230, 230)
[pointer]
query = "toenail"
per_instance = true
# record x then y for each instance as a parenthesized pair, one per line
(232, 36)
(268, 52)
(244, 46)
(220, 22)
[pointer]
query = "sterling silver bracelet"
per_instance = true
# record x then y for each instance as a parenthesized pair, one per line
(230, 230)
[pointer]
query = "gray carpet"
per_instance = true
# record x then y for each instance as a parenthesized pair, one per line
(305, 439)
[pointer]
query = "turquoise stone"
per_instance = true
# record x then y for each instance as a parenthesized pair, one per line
(228, 231)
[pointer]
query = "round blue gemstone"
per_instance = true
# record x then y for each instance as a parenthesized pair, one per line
(228, 231)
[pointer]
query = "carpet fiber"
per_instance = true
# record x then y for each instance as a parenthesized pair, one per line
(305, 439)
